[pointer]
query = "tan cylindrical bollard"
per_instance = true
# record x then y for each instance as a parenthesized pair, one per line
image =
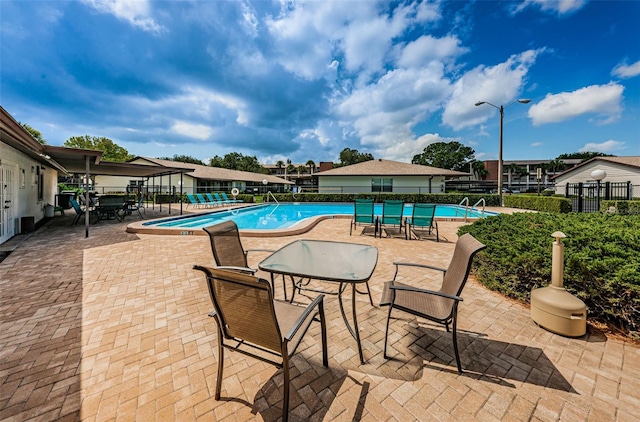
(557, 260)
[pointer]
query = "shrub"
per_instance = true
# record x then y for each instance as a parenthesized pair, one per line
(622, 207)
(538, 203)
(429, 198)
(602, 259)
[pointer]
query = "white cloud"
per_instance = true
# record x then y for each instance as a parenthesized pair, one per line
(625, 71)
(499, 84)
(309, 35)
(604, 100)
(404, 150)
(605, 147)
(427, 48)
(384, 113)
(537, 144)
(136, 12)
(191, 130)
(559, 7)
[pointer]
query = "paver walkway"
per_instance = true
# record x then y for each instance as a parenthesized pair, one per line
(115, 327)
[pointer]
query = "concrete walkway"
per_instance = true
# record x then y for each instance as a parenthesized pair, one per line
(115, 327)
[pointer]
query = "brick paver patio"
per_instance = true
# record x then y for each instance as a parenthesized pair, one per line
(115, 327)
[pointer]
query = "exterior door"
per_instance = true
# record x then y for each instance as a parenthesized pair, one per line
(7, 182)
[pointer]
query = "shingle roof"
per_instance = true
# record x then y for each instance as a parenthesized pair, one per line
(381, 167)
(217, 173)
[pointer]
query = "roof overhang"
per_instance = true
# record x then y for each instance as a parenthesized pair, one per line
(74, 161)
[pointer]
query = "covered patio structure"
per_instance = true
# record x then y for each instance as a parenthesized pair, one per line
(89, 163)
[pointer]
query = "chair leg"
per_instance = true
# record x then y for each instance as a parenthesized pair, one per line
(285, 374)
(323, 332)
(220, 365)
(455, 339)
(386, 332)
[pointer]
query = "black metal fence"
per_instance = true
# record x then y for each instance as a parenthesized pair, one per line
(586, 197)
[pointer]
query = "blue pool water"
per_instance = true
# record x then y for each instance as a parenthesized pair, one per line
(284, 215)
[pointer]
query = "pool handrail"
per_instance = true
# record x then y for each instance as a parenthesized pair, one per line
(484, 204)
(465, 201)
(274, 198)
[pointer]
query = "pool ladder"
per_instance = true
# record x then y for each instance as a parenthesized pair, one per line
(465, 201)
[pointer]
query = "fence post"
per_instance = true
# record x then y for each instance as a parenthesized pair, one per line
(580, 197)
(607, 191)
(629, 191)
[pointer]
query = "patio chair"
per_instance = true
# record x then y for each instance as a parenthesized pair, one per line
(392, 210)
(138, 206)
(220, 200)
(228, 251)
(248, 317)
(203, 201)
(363, 216)
(193, 201)
(423, 216)
(79, 211)
(439, 306)
(229, 200)
(212, 200)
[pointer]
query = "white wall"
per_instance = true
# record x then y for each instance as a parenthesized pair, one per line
(361, 184)
(25, 202)
(615, 173)
(106, 184)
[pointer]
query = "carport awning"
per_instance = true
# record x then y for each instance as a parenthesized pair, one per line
(73, 160)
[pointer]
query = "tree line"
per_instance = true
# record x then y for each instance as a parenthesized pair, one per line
(446, 155)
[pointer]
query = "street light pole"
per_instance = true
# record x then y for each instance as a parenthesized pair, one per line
(501, 110)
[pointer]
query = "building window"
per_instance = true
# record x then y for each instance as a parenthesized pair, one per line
(40, 181)
(381, 185)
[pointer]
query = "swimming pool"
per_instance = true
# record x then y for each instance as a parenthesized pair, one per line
(286, 215)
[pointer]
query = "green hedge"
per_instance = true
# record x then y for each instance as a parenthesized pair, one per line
(621, 207)
(602, 259)
(538, 203)
(428, 198)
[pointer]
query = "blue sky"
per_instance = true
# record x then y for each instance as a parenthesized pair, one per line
(304, 80)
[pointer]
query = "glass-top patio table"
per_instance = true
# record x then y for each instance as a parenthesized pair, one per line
(340, 262)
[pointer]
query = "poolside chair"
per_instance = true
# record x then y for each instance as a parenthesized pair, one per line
(229, 200)
(363, 216)
(220, 200)
(203, 201)
(193, 201)
(138, 206)
(255, 324)
(212, 200)
(79, 211)
(423, 217)
(392, 210)
(439, 306)
(228, 251)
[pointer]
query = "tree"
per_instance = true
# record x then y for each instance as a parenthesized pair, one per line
(183, 159)
(516, 171)
(111, 150)
(350, 156)
(446, 155)
(301, 169)
(312, 165)
(585, 155)
(479, 170)
(237, 161)
(280, 164)
(34, 133)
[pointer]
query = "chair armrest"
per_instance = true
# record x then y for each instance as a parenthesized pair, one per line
(317, 301)
(430, 292)
(410, 264)
(207, 270)
(237, 269)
